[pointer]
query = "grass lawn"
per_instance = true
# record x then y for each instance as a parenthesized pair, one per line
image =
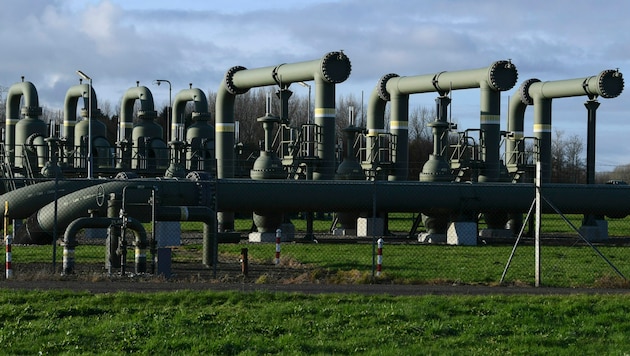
(256, 323)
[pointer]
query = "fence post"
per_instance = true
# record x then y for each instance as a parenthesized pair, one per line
(8, 240)
(379, 257)
(244, 262)
(278, 237)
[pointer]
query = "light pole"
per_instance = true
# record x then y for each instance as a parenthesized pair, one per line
(309, 99)
(168, 113)
(90, 161)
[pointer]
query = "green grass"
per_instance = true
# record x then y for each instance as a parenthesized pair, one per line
(410, 264)
(231, 323)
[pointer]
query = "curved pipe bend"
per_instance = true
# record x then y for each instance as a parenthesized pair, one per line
(147, 108)
(70, 108)
(194, 95)
(31, 109)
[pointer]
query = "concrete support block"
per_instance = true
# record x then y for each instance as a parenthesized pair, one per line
(462, 233)
(370, 227)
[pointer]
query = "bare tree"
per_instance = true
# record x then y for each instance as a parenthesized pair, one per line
(567, 165)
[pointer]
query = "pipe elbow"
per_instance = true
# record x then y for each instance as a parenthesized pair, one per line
(335, 67)
(502, 75)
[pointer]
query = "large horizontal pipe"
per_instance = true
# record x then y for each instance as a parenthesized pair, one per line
(396, 196)
(25, 201)
(39, 227)
(607, 84)
(499, 76)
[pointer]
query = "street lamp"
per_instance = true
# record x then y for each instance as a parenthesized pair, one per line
(309, 99)
(168, 114)
(90, 161)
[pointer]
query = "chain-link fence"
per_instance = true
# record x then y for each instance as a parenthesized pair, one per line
(129, 238)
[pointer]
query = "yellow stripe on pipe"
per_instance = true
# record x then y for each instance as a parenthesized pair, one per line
(399, 125)
(224, 127)
(375, 132)
(325, 112)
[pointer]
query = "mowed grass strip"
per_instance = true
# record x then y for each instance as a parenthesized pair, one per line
(228, 323)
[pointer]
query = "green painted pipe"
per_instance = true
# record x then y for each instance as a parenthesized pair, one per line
(70, 241)
(607, 84)
(26, 200)
(31, 109)
(499, 76)
(331, 69)
(70, 110)
(200, 103)
(411, 196)
(125, 126)
(39, 226)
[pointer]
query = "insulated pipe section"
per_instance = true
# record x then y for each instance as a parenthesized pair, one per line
(332, 69)
(38, 228)
(607, 84)
(198, 98)
(31, 109)
(295, 196)
(70, 241)
(70, 109)
(26, 200)
(499, 76)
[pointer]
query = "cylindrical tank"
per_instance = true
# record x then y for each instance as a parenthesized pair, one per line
(81, 136)
(23, 130)
(146, 152)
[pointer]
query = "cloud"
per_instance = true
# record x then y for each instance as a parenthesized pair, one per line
(118, 42)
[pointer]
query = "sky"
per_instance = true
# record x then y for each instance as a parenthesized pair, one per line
(119, 42)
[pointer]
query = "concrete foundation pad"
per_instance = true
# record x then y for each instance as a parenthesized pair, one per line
(370, 227)
(462, 233)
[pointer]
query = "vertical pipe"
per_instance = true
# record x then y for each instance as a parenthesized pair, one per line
(325, 114)
(542, 132)
(490, 116)
(399, 128)
(591, 106)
